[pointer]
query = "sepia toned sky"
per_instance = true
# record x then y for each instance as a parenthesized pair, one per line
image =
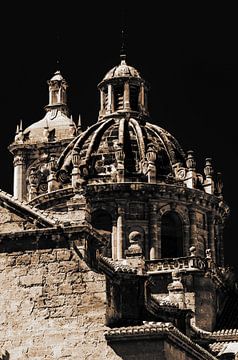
(187, 51)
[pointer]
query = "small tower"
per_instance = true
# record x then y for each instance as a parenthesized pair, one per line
(57, 93)
(34, 147)
(123, 91)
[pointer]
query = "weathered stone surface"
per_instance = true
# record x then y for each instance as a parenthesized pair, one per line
(52, 310)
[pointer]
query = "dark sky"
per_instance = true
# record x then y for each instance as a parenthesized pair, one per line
(186, 50)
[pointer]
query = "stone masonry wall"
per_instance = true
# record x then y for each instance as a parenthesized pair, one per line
(52, 307)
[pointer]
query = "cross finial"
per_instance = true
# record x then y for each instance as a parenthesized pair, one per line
(123, 37)
(123, 46)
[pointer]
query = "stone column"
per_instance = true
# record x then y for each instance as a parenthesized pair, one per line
(191, 176)
(142, 97)
(176, 290)
(221, 245)
(193, 228)
(110, 104)
(155, 246)
(120, 231)
(51, 178)
(126, 97)
(211, 236)
(19, 181)
(151, 171)
(208, 182)
(114, 241)
(186, 233)
(101, 102)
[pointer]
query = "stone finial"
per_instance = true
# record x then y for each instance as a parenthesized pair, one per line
(192, 250)
(135, 238)
(151, 156)
(19, 136)
(46, 133)
(52, 163)
(208, 169)
(176, 290)
(219, 184)
(190, 162)
(209, 258)
(120, 156)
(79, 126)
(72, 128)
(208, 254)
(209, 182)
(33, 183)
(191, 174)
(75, 158)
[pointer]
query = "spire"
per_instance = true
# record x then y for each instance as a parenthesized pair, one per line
(123, 47)
(123, 37)
(79, 127)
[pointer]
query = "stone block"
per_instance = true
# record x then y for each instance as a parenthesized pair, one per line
(69, 266)
(63, 312)
(11, 261)
(35, 258)
(48, 258)
(55, 279)
(31, 280)
(24, 259)
(65, 289)
(78, 288)
(55, 301)
(63, 255)
(54, 268)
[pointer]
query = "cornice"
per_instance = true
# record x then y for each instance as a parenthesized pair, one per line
(159, 330)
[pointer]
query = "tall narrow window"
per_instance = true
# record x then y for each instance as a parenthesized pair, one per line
(171, 236)
(118, 97)
(134, 97)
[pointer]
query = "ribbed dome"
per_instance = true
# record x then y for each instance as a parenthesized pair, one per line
(103, 146)
(122, 70)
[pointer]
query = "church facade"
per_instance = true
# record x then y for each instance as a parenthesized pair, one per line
(112, 242)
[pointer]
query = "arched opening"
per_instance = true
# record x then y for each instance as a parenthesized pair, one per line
(171, 236)
(102, 221)
(118, 97)
(134, 97)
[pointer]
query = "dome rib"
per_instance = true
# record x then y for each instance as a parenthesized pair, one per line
(121, 131)
(75, 143)
(139, 137)
(166, 142)
(96, 134)
(148, 126)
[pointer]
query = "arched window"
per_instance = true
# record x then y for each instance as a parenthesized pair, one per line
(134, 97)
(171, 236)
(102, 221)
(118, 97)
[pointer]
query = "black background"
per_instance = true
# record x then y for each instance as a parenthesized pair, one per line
(187, 52)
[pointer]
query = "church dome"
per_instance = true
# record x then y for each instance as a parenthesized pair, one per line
(122, 70)
(56, 125)
(121, 145)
